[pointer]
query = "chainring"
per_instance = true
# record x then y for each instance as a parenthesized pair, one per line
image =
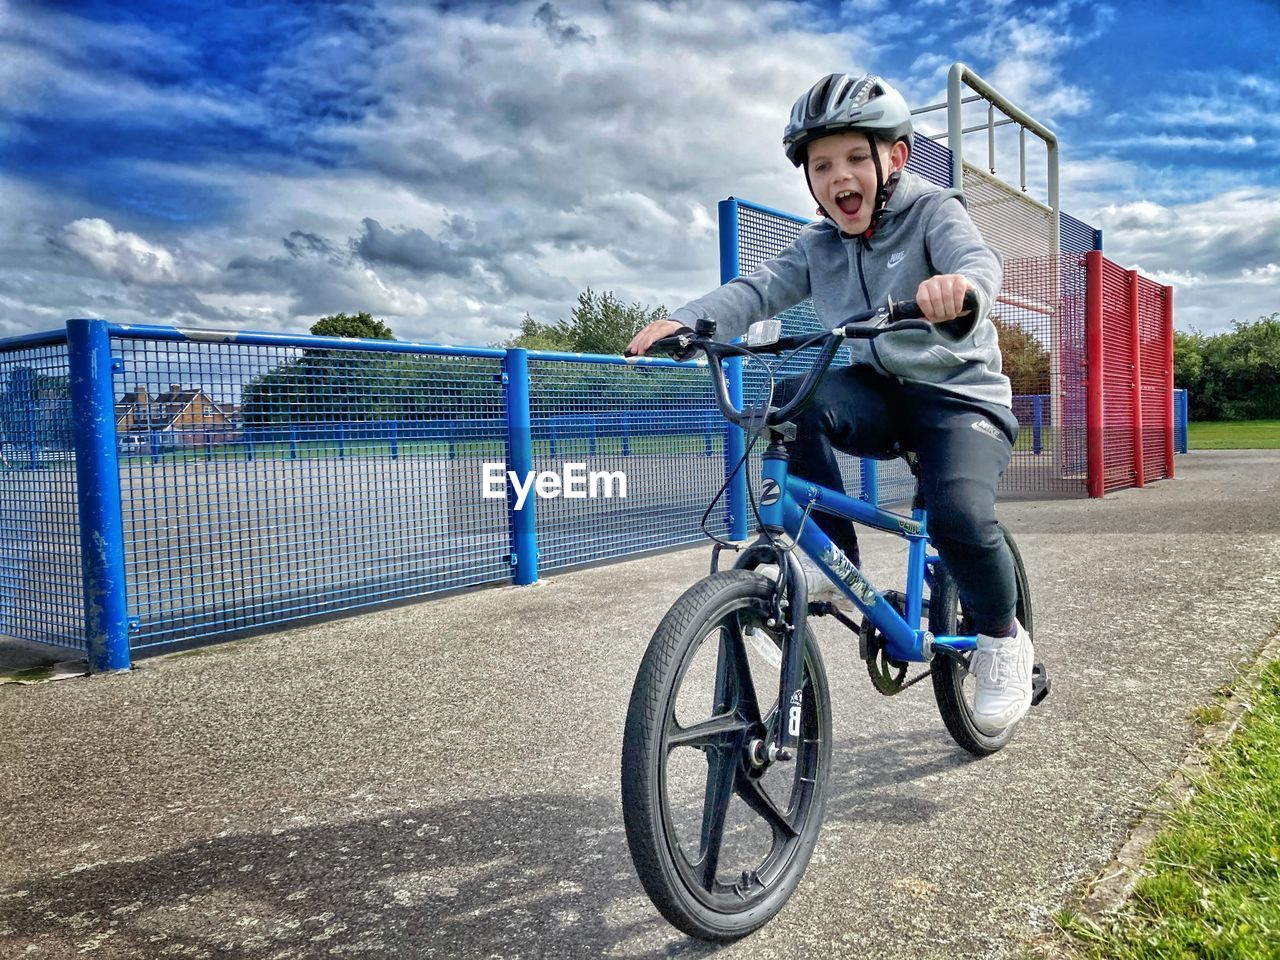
(888, 676)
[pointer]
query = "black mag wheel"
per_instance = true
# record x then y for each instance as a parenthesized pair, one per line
(719, 834)
(953, 687)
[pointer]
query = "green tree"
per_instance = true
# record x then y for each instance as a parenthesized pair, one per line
(1233, 375)
(360, 325)
(600, 323)
(1188, 359)
(1024, 359)
(1242, 371)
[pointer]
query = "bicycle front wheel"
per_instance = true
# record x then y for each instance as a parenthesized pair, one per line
(719, 834)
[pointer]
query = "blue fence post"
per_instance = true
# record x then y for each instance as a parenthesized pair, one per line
(395, 441)
(870, 470)
(248, 444)
(342, 442)
(453, 439)
(595, 430)
(626, 435)
(1037, 422)
(93, 430)
(293, 443)
(708, 425)
(1180, 417)
(524, 523)
(735, 443)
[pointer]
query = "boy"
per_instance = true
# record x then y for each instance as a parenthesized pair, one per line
(887, 233)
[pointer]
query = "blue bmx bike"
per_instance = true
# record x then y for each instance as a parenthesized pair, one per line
(727, 747)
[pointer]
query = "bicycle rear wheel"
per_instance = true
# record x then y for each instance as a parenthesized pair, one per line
(719, 835)
(953, 687)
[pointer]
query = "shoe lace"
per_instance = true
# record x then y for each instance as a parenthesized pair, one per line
(990, 669)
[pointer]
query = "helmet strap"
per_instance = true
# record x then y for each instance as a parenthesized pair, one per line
(884, 190)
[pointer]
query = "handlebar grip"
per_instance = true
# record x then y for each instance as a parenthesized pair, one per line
(854, 331)
(671, 346)
(910, 310)
(906, 310)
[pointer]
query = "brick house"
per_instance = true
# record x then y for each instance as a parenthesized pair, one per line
(184, 416)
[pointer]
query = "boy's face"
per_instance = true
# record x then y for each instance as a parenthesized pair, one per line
(844, 178)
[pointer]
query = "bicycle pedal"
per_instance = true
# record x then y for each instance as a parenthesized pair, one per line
(1039, 684)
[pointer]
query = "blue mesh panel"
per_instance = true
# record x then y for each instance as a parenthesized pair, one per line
(1180, 420)
(1076, 235)
(931, 160)
(41, 593)
(762, 233)
(264, 483)
(659, 427)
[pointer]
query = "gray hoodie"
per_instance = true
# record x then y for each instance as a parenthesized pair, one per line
(925, 231)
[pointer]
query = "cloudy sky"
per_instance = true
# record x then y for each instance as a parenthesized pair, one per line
(451, 166)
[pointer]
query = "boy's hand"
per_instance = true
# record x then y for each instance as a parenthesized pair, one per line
(650, 335)
(941, 298)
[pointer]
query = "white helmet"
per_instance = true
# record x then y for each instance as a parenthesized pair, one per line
(840, 104)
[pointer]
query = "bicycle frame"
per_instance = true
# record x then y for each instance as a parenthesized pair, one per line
(787, 503)
(786, 507)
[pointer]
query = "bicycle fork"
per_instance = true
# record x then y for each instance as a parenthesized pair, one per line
(793, 611)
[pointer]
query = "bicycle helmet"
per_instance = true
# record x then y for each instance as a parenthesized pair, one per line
(839, 104)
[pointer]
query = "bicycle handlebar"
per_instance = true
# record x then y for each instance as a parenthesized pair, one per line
(891, 318)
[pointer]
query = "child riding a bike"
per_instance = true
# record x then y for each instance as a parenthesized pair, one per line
(888, 234)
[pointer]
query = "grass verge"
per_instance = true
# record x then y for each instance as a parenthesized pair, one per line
(1213, 890)
(1233, 435)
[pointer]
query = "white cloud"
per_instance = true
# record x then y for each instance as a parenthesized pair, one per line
(1219, 254)
(119, 254)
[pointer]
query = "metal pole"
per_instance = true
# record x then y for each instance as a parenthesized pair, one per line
(523, 522)
(991, 137)
(93, 432)
(735, 443)
(1166, 323)
(1022, 157)
(955, 123)
(1135, 371)
(870, 470)
(1093, 367)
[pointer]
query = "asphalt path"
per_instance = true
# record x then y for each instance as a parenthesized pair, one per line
(441, 779)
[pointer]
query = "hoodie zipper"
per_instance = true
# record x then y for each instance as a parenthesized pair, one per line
(866, 295)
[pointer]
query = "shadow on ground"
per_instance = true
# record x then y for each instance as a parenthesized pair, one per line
(545, 875)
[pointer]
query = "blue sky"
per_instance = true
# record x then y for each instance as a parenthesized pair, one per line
(452, 166)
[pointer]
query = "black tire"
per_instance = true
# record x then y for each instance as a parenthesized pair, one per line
(951, 688)
(753, 830)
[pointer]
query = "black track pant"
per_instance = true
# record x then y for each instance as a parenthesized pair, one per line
(963, 447)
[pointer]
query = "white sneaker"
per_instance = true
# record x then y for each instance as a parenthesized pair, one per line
(822, 590)
(820, 587)
(1002, 668)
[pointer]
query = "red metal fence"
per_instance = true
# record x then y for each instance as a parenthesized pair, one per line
(1129, 397)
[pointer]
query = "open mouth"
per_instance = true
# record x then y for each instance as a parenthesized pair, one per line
(849, 202)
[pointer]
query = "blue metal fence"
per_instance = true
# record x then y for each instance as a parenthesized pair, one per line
(227, 482)
(1180, 420)
(41, 596)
